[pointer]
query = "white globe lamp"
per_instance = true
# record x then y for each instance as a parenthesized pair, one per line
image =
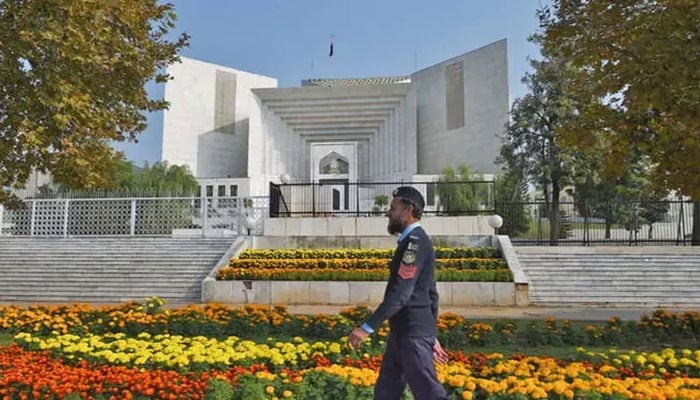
(285, 178)
(495, 222)
(249, 224)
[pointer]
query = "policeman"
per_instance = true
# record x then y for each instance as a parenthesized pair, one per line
(411, 305)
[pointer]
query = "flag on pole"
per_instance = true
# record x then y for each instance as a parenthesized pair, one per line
(330, 53)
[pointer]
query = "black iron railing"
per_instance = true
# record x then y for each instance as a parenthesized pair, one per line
(343, 198)
(588, 223)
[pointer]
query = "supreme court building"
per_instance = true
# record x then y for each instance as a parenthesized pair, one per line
(238, 131)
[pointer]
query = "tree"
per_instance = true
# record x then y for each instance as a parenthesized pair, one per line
(108, 212)
(531, 144)
(638, 69)
(630, 200)
(72, 77)
(458, 194)
(380, 203)
(158, 180)
(510, 200)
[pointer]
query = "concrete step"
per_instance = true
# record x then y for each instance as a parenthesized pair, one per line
(640, 263)
(585, 260)
(121, 268)
(608, 275)
(612, 270)
(113, 250)
(106, 269)
(115, 278)
(86, 263)
(118, 241)
(99, 296)
(612, 276)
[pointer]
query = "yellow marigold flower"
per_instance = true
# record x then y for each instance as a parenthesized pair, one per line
(287, 393)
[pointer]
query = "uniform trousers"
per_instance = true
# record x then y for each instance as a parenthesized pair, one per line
(408, 360)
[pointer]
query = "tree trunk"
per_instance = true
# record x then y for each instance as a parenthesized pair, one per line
(554, 216)
(608, 226)
(695, 238)
(651, 227)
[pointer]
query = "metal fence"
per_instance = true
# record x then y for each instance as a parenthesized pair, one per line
(343, 198)
(148, 216)
(527, 223)
(602, 223)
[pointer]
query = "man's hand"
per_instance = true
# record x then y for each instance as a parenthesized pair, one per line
(439, 354)
(356, 337)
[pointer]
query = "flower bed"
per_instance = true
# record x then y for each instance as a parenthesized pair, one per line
(452, 265)
(216, 352)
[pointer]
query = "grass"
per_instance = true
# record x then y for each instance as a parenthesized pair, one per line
(5, 339)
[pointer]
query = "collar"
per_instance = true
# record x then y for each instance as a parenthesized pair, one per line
(408, 230)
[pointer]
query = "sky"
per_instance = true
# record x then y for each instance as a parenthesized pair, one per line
(289, 40)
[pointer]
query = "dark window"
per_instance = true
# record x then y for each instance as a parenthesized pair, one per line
(336, 199)
(222, 191)
(430, 195)
(454, 95)
(210, 191)
(225, 102)
(234, 190)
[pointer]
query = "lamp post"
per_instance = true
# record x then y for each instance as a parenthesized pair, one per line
(285, 178)
(249, 224)
(495, 222)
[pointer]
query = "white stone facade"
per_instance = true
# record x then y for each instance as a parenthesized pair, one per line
(231, 125)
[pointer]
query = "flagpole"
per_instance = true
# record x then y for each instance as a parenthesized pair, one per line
(330, 52)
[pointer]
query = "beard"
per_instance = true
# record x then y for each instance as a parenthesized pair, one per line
(395, 227)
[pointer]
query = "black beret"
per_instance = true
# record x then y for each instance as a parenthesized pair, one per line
(411, 194)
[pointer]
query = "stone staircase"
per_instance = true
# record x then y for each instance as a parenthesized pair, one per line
(106, 270)
(612, 277)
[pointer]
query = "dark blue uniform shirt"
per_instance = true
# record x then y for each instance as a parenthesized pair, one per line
(410, 300)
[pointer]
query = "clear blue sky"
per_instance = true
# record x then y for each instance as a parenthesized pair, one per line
(289, 40)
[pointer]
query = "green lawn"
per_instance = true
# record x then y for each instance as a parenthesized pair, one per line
(5, 339)
(536, 231)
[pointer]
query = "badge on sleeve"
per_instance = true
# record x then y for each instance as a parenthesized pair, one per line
(409, 257)
(407, 271)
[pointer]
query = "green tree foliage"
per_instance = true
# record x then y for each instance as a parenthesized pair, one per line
(380, 204)
(510, 197)
(638, 71)
(462, 192)
(629, 201)
(159, 179)
(72, 76)
(128, 180)
(531, 144)
(109, 211)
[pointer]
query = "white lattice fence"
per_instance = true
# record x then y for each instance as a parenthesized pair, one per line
(133, 216)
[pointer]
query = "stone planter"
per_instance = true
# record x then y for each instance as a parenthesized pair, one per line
(454, 294)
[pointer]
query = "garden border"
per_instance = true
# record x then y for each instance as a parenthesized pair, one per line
(454, 294)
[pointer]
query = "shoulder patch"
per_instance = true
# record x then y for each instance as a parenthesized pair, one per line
(407, 271)
(409, 257)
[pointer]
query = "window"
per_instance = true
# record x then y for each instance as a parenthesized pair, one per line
(430, 195)
(222, 191)
(454, 95)
(234, 190)
(210, 191)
